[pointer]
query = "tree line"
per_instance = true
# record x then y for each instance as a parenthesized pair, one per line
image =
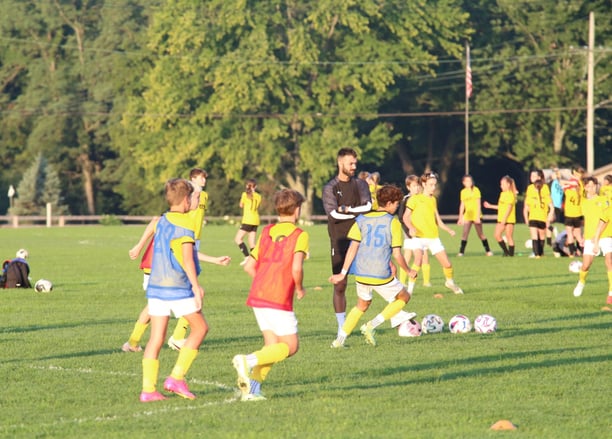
(115, 97)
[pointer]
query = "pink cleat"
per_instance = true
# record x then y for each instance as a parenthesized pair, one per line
(151, 396)
(609, 300)
(179, 387)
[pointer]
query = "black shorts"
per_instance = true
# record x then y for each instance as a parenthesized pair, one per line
(573, 221)
(339, 247)
(248, 227)
(537, 224)
(559, 217)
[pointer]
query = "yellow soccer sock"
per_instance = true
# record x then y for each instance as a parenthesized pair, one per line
(260, 372)
(181, 329)
(150, 370)
(392, 308)
(448, 273)
(426, 273)
(137, 333)
(582, 275)
(183, 363)
(272, 354)
(351, 320)
(609, 280)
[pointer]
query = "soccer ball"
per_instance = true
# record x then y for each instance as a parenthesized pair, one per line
(22, 253)
(459, 324)
(485, 324)
(529, 243)
(409, 328)
(432, 324)
(575, 266)
(43, 286)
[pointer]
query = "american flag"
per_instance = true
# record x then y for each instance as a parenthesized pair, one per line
(468, 75)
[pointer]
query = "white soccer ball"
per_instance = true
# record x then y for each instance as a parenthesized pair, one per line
(22, 253)
(575, 266)
(43, 286)
(432, 324)
(459, 324)
(485, 324)
(529, 243)
(409, 328)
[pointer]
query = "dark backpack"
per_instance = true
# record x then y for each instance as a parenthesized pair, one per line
(15, 274)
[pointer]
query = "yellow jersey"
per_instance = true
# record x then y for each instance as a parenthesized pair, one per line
(250, 208)
(538, 202)
(470, 197)
(506, 199)
(593, 210)
(423, 217)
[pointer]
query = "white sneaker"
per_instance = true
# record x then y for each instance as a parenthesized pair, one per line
(175, 344)
(242, 370)
(453, 286)
(401, 317)
(127, 347)
(578, 289)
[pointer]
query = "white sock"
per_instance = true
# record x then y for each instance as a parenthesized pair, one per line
(340, 318)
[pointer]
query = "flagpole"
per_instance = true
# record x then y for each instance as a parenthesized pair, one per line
(468, 93)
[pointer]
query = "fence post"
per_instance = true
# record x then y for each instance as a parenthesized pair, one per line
(15, 221)
(48, 214)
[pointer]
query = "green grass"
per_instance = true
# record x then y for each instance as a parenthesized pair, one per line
(547, 368)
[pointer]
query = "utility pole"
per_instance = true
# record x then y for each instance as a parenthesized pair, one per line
(590, 156)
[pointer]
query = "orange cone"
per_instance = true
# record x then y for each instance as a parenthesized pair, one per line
(503, 424)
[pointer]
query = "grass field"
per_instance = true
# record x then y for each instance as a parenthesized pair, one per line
(547, 368)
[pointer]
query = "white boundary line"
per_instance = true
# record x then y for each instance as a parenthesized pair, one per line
(150, 411)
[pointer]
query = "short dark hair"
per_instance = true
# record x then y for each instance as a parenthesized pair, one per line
(195, 172)
(347, 151)
(388, 193)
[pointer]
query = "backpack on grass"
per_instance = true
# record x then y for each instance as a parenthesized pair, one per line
(15, 274)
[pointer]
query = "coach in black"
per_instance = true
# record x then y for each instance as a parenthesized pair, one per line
(344, 197)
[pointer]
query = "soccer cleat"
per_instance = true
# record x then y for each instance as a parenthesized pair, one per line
(337, 344)
(368, 332)
(609, 299)
(179, 387)
(459, 254)
(489, 253)
(428, 284)
(453, 286)
(151, 396)
(578, 289)
(127, 347)
(244, 261)
(253, 397)
(176, 344)
(242, 369)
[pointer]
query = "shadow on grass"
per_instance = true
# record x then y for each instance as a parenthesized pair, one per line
(457, 369)
(33, 328)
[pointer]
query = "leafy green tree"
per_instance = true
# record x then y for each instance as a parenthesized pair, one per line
(40, 185)
(275, 88)
(62, 80)
(530, 60)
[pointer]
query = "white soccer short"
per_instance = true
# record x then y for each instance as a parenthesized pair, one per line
(605, 246)
(181, 307)
(411, 244)
(433, 244)
(387, 291)
(278, 321)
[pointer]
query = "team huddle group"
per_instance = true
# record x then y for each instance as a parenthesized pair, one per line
(369, 226)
